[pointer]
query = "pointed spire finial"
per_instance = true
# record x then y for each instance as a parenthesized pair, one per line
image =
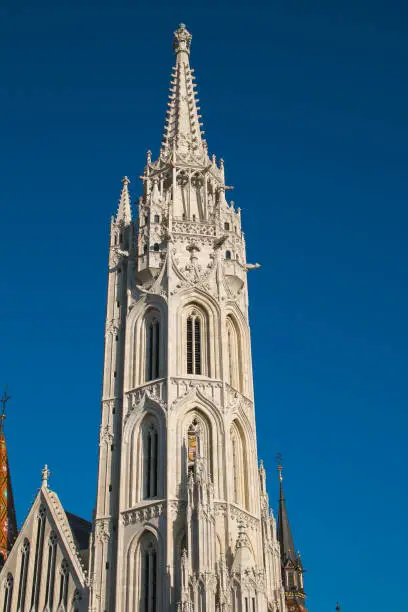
(279, 465)
(124, 212)
(45, 474)
(182, 40)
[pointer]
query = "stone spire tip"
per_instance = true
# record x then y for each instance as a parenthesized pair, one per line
(124, 213)
(182, 40)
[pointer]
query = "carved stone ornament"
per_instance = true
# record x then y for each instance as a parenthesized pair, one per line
(140, 515)
(242, 516)
(103, 530)
(106, 435)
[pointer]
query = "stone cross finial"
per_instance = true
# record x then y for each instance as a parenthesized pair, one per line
(45, 474)
(125, 180)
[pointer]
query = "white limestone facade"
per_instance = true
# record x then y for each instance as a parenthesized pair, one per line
(182, 519)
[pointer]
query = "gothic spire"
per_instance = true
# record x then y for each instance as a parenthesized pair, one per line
(124, 212)
(284, 532)
(292, 569)
(8, 523)
(182, 130)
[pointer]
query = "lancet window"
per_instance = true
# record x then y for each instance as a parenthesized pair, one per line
(152, 347)
(236, 597)
(8, 593)
(148, 578)
(63, 590)
(198, 445)
(150, 460)
(38, 558)
(22, 584)
(234, 367)
(193, 449)
(52, 553)
(240, 484)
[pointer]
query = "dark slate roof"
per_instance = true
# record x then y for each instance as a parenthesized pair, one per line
(284, 533)
(81, 530)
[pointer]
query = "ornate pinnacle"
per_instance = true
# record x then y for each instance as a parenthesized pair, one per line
(5, 398)
(182, 40)
(45, 474)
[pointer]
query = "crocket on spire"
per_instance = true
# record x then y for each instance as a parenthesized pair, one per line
(8, 523)
(124, 211)
(182, 131)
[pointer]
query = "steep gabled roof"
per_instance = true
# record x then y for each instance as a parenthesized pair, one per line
(70, 540)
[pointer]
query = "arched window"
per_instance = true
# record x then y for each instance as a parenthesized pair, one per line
(234, 355)
(227, 254)
(52, 553)
(239, 464)
(63, 590)
(194, 343)
(8, 593)
(150, 460)
(38, 559)
(22, 584)
(148, 574)
(152, 346)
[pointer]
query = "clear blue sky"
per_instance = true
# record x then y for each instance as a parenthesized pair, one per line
(307, 103)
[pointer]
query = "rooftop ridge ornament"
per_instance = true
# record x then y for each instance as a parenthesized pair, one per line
(45, 474)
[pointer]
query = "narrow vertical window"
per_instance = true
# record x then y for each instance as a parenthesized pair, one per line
(38, 559)
(63, 591)
(150, 461)
(49, 589)
(8, 593)
(192, 444)
(194, 344)
(22, 585)
(149, 577)
(152, 350)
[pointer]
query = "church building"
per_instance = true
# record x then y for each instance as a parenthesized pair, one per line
(182, 521)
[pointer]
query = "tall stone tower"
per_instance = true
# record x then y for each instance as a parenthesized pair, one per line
(182, 519)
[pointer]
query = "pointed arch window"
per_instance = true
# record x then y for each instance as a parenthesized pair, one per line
(152, 347)
(22, 584)
(148, 566)
(193, 444)
(63, 586)
(150, 461)
(194, 343)
(8, 593)
(239, 464)
(38, 558)
(234, 356)
(49, 589)
(227, 254)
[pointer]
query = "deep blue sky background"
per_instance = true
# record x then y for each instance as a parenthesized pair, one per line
(307, 103)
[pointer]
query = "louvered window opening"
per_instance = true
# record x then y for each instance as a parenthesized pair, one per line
(194, 345)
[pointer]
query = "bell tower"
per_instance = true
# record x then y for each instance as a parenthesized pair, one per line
(182, 519)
